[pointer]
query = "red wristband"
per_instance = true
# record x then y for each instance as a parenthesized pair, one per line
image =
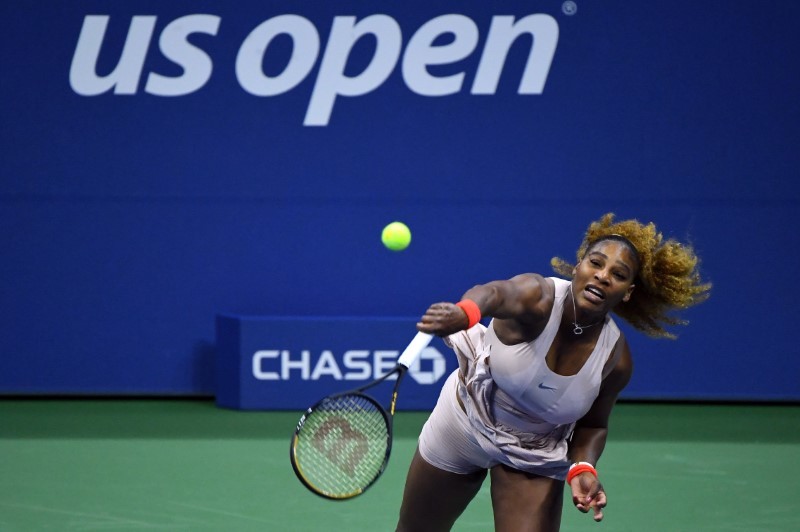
(580, 467)
(472, 311)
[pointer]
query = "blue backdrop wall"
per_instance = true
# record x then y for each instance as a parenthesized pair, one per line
(165, 162)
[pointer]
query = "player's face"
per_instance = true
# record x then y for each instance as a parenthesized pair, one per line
(604, 277)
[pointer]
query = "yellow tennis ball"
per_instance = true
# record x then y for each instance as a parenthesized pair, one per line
(396, 236)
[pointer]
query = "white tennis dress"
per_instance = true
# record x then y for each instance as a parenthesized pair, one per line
(518, 411)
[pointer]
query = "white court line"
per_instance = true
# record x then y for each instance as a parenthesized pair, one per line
(221, 512)
(100, 518)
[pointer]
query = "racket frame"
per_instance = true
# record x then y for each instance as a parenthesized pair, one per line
(406, 359)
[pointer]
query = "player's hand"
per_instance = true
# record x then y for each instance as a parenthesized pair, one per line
(588, 494)
(443, 319)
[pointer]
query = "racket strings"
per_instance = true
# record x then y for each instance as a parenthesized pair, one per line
(342, 446)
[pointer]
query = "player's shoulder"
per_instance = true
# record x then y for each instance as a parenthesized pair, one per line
(536, 291)
(536, 285)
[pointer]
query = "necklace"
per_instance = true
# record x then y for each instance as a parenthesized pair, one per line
(578, 328)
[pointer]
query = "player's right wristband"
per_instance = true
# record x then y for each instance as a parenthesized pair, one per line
(472, 311)
(578, 468)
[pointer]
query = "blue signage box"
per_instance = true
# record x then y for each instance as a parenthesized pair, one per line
(283, 363)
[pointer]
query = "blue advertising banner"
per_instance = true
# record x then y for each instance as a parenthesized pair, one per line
(166, 162)
(285, 363)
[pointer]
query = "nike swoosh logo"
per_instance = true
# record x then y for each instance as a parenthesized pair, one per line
(543, 386)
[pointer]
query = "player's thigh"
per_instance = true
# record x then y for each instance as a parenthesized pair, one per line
(433, 498)
(524, 501)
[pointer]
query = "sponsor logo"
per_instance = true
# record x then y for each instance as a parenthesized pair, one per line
(354, 365)
(342, 444)
(415, 54)
(543, 386)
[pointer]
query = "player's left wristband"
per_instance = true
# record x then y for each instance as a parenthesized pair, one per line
(578, 468)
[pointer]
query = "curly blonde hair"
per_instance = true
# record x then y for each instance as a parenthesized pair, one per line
(667, 280)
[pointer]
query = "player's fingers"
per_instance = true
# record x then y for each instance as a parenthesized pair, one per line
(429, 323)
(435, 311)
(437, 319)
(598, 504)
(579, 504)
(600, 499)
(424, 324)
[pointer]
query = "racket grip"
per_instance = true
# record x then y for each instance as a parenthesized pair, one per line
(417, 345)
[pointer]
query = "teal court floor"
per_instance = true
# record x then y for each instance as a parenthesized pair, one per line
(114, 464)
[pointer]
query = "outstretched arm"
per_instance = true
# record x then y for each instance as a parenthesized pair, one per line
(589, 437)
(518, 298)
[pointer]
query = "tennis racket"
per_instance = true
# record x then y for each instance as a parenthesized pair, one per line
(341, 445)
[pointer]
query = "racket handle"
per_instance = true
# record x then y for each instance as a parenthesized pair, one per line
(414, 349)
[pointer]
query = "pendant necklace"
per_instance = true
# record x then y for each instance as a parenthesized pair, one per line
(578, 328)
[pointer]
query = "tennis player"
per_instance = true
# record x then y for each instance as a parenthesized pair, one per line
(531, 400)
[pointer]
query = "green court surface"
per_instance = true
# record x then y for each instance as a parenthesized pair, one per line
(187, 465)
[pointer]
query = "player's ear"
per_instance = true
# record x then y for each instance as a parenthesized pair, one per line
(628, 293)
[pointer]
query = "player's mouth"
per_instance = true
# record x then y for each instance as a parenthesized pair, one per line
(594, 294)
